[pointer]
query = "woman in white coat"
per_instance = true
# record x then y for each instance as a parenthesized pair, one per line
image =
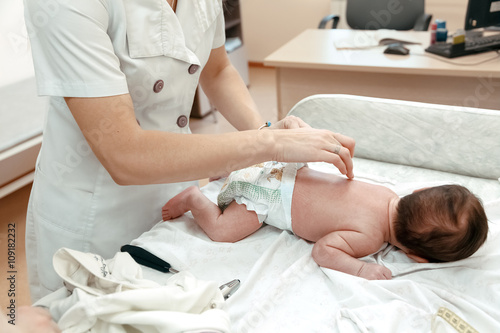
(122, 75)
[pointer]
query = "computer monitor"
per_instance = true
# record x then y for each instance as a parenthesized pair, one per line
(482, 14)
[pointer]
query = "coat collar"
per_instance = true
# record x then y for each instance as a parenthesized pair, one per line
(153, 29)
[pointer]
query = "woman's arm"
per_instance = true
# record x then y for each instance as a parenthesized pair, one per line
(136, 156)
(225, 88)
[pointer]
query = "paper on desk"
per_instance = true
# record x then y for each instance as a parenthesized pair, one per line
(371, 38)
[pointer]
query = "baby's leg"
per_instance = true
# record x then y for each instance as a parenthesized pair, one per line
(181, 203)
(234, 224)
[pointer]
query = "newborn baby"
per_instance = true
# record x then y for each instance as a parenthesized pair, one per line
(347, 219)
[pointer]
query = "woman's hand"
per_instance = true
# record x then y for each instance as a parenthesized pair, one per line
(307, 144)
(289, 122)
(321, 145)
(32, 319)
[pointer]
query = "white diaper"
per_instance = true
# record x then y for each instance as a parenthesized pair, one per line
(266, 188)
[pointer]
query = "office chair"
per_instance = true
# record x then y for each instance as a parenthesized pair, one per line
(383, 14)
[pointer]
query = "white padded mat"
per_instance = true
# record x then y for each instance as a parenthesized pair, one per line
(283, 289)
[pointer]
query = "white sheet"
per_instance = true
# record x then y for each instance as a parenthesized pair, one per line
(283, 289)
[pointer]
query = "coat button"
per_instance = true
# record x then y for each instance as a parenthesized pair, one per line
(193, 69)
(182, 121)
(158, 86)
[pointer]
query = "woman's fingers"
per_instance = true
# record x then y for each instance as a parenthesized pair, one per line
(344, 149)
(290, 122)
(346, 142)
(343, 161)
(340, 150)
(36, 319)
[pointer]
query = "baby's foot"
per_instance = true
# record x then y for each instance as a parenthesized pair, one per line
(178, 205)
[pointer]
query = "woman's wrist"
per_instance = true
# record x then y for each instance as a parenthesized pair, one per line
(267, 142)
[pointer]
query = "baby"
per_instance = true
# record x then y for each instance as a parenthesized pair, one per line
(347, 219)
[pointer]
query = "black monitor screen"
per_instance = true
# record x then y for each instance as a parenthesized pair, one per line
(482, 14)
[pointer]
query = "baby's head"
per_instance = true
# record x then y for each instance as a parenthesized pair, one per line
(443, 223)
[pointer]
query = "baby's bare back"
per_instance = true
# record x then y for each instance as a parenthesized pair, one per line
(323, 203)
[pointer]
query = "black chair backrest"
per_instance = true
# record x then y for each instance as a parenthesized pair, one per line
(384, 14)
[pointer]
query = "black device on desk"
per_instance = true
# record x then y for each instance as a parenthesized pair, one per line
(480, 14)
(471, 45)
(396, 48)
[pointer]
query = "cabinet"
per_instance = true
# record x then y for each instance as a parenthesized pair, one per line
(235, 51)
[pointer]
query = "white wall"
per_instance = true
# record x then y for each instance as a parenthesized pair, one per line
(268, 24)
(453, 11)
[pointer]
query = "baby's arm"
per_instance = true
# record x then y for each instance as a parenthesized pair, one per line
(339, 250)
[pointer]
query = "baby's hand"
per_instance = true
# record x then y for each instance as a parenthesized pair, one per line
(375, 272)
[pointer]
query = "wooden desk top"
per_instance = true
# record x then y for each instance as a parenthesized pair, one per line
(315, 49)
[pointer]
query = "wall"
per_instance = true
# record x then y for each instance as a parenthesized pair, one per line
(453, 11)
(268, 24)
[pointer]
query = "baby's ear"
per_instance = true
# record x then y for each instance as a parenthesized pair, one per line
(417, 258)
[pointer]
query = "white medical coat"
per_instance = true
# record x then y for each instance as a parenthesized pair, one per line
(93, 48)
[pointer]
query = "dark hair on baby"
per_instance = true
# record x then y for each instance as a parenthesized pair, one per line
(443, 223)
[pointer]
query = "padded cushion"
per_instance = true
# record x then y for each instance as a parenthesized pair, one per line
(453, 139)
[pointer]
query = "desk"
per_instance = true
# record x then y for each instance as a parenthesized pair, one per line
(310, 64)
